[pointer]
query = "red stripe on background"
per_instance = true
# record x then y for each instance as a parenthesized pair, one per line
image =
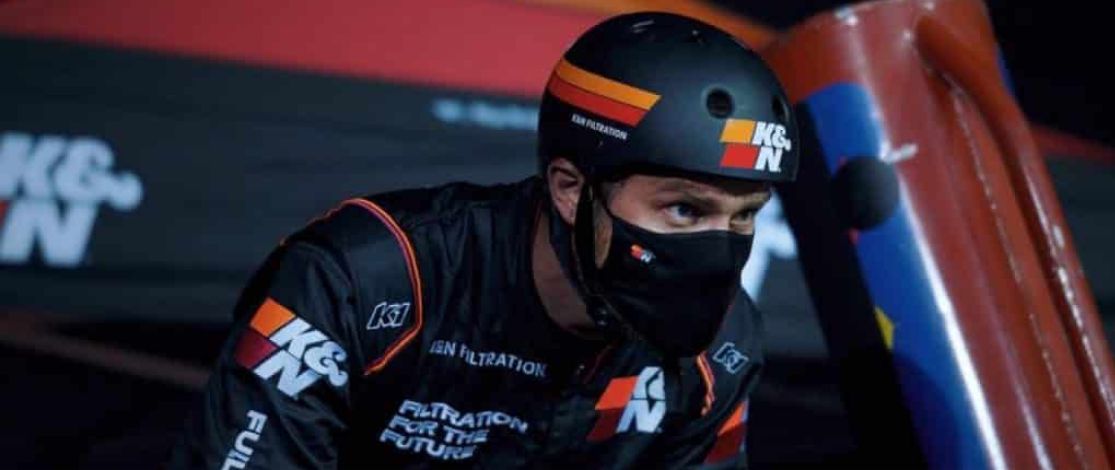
(252, 349)
(739, 156)
(593, 103)
(498, 46)
(1057, 144)
(3, 211)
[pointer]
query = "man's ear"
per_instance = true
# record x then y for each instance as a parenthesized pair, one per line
(564, 181)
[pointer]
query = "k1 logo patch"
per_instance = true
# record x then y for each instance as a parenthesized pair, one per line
(731, 358)
(388, 315)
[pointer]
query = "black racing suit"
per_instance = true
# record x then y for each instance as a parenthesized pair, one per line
(404, 330)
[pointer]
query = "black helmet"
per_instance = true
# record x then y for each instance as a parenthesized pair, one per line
(661, 90)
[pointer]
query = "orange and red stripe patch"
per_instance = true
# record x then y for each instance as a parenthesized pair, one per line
(600, 95)
(254, 346)
(738, 151)
(610, 407)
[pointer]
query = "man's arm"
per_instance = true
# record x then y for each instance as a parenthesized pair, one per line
(340, 299)
(280, 390)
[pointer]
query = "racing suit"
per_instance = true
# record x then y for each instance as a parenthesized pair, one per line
(404, 330)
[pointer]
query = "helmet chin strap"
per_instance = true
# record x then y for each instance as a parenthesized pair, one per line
(584, 252)
(576, 253)
(602, 313)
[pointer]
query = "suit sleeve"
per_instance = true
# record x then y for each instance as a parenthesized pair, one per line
(279, 394)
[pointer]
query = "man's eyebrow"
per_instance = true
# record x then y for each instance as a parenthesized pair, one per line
(685, 186)
(712, 195)
(703, 196)
(756, 200)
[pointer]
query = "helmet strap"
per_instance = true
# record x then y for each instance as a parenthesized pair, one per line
(575, 248)
(561, 240)
(584, 244)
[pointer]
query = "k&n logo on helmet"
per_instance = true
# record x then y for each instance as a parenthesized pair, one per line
(754, 145)
(631, 403)
(280, 343)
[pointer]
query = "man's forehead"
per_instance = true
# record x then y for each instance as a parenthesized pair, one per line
(708, 185)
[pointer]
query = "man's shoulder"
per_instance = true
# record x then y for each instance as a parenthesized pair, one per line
(384, 243)
(367, 222)
(447, 203)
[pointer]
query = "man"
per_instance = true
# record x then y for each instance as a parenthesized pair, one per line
(580, 318)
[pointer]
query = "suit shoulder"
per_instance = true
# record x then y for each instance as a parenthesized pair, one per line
(374, 218)
(414, 208)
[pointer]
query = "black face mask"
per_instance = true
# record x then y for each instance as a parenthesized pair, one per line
(673, 290)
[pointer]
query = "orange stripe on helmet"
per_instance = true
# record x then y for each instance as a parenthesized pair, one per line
(605, 87)
(594, 103)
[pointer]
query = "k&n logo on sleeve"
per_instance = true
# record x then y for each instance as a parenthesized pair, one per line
(280, 343)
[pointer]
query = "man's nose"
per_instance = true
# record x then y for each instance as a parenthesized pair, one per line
(723, 222)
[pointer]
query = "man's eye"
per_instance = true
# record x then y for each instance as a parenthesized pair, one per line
(683, 211)
(746, 216)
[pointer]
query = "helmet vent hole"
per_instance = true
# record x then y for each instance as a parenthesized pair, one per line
(781, 111)
(719, 103)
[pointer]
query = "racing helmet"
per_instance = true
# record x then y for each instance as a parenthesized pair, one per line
(650, 89)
